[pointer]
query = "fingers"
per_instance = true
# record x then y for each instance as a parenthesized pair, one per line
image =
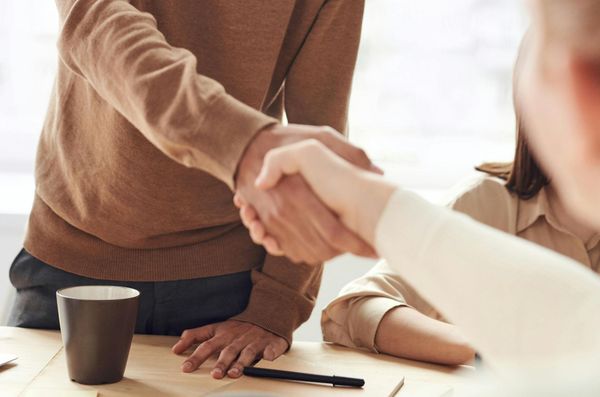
(272, 246)
(238, 200)
(270, 349)
(281, 161)
(239, 345)
(248, 215)
(202, 353)
(247, 357)
(338, 236)
(345, 149)
(376, 169)
(294, 158)
(288, 222)
(344, 240)
(258, 233)
(228, 355)
(270, 172)
(275, 349)
(332, 239)
(306, 244)
(189, 337)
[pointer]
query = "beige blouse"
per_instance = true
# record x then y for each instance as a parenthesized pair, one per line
(353, 317)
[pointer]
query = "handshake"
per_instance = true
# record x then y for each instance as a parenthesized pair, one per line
(306, 193)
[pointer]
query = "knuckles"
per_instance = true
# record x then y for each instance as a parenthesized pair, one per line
(328, 130)
(280, 207)
(209, 345)
(230, 350)
(251, 351)
(274, 214)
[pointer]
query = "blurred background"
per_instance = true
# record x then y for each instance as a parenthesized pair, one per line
(431, 99)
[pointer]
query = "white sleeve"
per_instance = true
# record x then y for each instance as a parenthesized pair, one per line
(516, 301)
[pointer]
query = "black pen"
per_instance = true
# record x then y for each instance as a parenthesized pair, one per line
(302, 377)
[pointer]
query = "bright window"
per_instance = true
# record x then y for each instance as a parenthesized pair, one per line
(432, 92)
(27, 67)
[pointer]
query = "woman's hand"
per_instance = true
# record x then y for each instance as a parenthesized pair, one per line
(358, 197)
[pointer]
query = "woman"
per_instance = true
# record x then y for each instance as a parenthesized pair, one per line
(441, 253)
(381, 312)
(528, 309)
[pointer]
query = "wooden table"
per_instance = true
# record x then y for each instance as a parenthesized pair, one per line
(153, 370)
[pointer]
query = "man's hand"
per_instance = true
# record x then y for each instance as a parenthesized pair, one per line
(304, 227)
(341, 186)
(239, 344)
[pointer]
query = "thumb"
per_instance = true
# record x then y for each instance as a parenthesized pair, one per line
(278, 162)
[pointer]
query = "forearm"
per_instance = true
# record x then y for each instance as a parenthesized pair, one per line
(515, 301)
(404, 332)
(283, 296)
(121, 53)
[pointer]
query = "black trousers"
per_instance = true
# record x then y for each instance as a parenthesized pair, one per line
(166, 307)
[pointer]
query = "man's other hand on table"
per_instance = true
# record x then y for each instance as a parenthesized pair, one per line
(238, 344)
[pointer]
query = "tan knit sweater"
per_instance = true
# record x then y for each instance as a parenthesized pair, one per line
(153, 106)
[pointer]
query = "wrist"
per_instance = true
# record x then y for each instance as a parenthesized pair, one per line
(373, 193)
(252, 157)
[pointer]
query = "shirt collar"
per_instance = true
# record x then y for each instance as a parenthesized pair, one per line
(534, 208)
(593, 242)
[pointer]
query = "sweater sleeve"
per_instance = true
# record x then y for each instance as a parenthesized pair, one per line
(155, 86)
(318, 84)
(317, 92)
(516, 301)
(283, 296)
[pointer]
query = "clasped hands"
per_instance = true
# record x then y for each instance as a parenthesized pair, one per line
(301, 224)
(344, 190)
(303, 192)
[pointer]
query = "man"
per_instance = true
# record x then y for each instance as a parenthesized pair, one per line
(160, 109)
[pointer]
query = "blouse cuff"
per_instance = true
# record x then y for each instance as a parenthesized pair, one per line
(367, 314)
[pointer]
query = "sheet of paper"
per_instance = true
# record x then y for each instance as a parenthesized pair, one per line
(47, 392)
(424, 389)
(7, 358)
(377, 383)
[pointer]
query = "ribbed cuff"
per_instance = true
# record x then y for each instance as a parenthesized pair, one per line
(233, 125)
(275, 307)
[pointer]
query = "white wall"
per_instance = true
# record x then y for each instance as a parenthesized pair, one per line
(12, 229)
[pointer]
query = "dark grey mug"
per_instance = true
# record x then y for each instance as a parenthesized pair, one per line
(97, 324)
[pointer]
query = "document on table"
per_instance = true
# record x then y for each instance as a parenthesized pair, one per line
(51, 392)
(424, 389)
(6, 358)
(377, 383)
